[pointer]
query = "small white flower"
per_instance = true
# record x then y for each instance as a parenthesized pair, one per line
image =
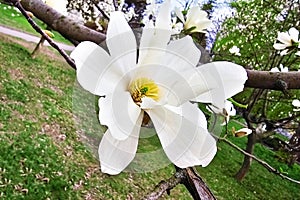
(297, 53)
(261, 128)
(176, 27)
(280, 69)
(157, 81)
(296, 104)
(150, 11)
(227, 111)
(242, 132)
(130, 14)
(235, 51)
(195, 18)
(287, 39)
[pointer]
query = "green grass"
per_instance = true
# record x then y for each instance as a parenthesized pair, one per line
(10, 17)
(37, 163)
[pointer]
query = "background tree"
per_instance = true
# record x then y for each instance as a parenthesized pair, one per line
(253, 29)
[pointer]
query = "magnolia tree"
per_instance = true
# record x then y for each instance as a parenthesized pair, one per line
(153, 78)
(264, 37)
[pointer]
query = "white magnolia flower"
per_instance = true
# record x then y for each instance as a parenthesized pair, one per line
(176, 27)
(296, 103)
(195, 18)
(280, 69)
(58, 5)
(287, 39)
(130, 14)
(157, 81)
(227, 111)
(235, 51)
(242, 132)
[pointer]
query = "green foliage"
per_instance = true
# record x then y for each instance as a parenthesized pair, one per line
(254, 29)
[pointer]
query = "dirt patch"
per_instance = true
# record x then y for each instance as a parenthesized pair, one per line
(16, 74)
(54, 131)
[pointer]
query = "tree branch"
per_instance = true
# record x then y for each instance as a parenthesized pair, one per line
(270, 80)
(165, 186)
(263, 163)
(190, 179)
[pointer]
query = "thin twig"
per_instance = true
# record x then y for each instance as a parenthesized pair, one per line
(263, 163)
(100, 10)
(69, 60)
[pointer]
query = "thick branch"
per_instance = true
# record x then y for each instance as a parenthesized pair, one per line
(273, 81)
(263, 163)
(64, 25)
(165, 186)
(190, 179)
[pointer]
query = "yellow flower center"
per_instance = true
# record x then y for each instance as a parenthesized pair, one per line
(143, 87)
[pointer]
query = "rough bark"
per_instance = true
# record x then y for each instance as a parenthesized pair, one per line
(247, 159)
(190, 179)
(62, 24)
(273, 81)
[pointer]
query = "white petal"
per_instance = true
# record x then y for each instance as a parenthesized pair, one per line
(119, 113)
(154, 40)
(191, 113)
(294, 34)
(296, 103)
(121, 42)
(179, 14)
(284, 52)
(284, 38)
(163, 20)
(153, 45)
(283, 69)
(197, 18)
(175, 86)
(230, 108)
(227, 79)
(185, 143)
(279, 46)
(243, 132)
(201, 25)
(115, 155)
(194, 14)
(182, 54)
(92, 63)
(274, 69)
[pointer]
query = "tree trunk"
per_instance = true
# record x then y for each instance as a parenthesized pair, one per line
(247, 160)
